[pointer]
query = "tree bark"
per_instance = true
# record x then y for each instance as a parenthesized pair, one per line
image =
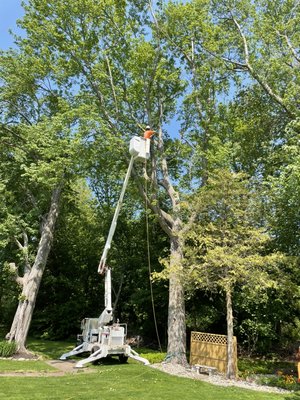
(230, 373)
(176, 310)
(32, 278)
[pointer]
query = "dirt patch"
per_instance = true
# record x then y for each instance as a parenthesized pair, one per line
(25, 356)
(68, 367)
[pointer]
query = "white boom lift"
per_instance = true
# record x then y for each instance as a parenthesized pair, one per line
(99, 337)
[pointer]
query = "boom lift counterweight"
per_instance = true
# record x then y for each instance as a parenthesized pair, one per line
(98, 337)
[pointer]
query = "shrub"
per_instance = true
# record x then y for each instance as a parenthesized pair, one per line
(151, 355)
(155, 357)
(288, 382)
(7, 349)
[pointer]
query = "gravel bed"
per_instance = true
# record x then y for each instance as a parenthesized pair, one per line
(215, 379)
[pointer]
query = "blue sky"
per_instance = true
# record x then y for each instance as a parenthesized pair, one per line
(10, 11)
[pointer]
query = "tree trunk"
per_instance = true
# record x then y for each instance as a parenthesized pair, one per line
(230, 351)
(176, 311)
(172, 227)
(32, 279)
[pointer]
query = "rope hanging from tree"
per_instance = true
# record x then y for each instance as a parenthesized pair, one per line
(148, 134)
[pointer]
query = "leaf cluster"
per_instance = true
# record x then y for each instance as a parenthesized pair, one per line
(225, 246)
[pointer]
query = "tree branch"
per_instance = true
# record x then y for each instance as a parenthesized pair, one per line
(255, 75)
(293, 50)
(112, 83)
(4, 126)
(174, 43)
(165, 220)
(24, 249)
(245, 44)
(14, 271)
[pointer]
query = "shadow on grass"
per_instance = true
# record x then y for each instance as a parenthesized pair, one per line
(48, 348)
(294, 396)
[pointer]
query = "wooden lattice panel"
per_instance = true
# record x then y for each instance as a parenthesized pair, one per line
(209, 338)
(211, 350)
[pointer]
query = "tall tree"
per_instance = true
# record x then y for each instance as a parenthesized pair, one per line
(100, 50)
(252, 48)
(36, 154)
(95, 54)
(225, 248)
(95, 69)
(178, 30)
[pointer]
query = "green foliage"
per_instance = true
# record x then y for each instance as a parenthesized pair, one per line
(72, 268)
(153, 356)
(262, 366)
(227, 251)
(256, 333)
(270, 372)
(287, 382)
(282, 205)
(7, 349)
(257, 129)
(225, 246)
(9, 292)
(89, 74)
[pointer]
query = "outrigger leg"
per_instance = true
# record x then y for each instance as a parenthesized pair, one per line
(133, 354)
(101, 353)
(79, 349)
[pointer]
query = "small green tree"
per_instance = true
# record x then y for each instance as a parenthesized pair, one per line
(225, 248)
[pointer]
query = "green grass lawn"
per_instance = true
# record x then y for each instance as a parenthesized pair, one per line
(25, 366)
(126, 381)
(48, 348)
(129, 382)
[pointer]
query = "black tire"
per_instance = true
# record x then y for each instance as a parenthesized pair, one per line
(94, 349)
(123, 359)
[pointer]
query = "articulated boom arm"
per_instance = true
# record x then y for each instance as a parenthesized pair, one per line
(139, 150)
(99, 337)
(107, 314)
(102, 264)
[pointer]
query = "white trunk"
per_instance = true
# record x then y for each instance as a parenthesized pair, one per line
(31, 282)
(230, 350)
